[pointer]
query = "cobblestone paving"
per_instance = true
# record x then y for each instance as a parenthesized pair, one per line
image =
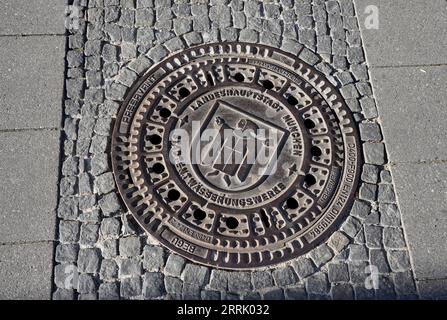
(120, 39)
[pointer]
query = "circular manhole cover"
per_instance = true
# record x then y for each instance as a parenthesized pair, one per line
(236, 155)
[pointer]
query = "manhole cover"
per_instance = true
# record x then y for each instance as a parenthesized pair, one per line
(236, 155)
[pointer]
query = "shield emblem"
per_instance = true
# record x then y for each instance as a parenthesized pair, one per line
(236, 148)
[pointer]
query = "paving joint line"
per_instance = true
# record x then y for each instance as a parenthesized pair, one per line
(32, 35)
(16, 243)
(410, 66)
(29, 129)
(430, 161)
(431, 279)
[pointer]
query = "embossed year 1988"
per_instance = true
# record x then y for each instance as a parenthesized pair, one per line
(181, 244)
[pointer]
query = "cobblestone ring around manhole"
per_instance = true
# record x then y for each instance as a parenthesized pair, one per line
(236, 214)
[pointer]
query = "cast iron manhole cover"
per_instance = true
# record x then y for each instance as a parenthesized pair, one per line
(236, 155)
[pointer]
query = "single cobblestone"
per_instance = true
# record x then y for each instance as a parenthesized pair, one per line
(86, 284)
(174, 44)
(369, 108)
(355, 55)
(274, 294)
(128, 50)
(130, 287)
(210, 295)
(191, 292)
(153, 285)
(130, 247)
(386, 193)
(370, 132)
(338, 272)
(374, 153)
(66, 253)
(69, 231)
(379, 260)
(296, 293)
(373, 218)
(262, 279)
(70, 166)
(389, 214)
(284, 277)
(361, 293)
(182, 26)
(109, 270)
(358, 272)
(109, 248)
(358, 252)
(174, 287)
(110, 227)
(364, 89)
(157, 53)
(68, 186)
(130, 268)
(252, 296)
(89, 260)
(321, 255)
(404, 283)
(153, 258)
(218, 280)
(338, 242)
(373, 235)
(104, 183)
(370, 173)
(399, 260)
(174, 265)
(308, 56)
(385, 288)
(385, 176)
(62, 277)
(98, 145)
(108, 291)
(344, 77)
(349, 91)
(368, 191)
(85, 184)
(115, 91)
(248, 35)
(351, 227)
(393, 238)
(68, 208)
(353, 105)
(195, 275)
(127, 77)
(304, 267)
(343, 291)
(360, 209)
(239, 282)
(270, 39)
(89, 234)
(63, 294)
(192, 38)
(239, 20)
(317, 284)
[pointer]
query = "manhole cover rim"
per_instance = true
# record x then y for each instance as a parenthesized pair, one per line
(219, 264)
